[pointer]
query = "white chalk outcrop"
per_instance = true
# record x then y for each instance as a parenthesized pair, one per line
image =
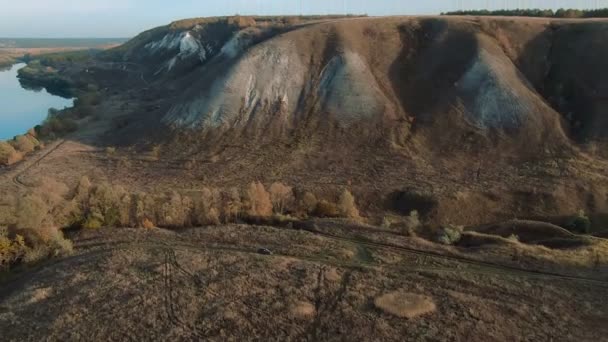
(272, 79)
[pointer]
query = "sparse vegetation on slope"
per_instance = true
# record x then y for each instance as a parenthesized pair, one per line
(543, 13)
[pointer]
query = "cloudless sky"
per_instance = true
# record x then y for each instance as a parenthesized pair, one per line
(126, 18)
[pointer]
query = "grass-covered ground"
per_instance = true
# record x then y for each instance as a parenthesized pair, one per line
(213, 284)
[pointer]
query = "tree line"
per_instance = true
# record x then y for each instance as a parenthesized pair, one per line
(541, 13)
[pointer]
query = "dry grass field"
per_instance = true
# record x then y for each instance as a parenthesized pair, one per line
(211, 283)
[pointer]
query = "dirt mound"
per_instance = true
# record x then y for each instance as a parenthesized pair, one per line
(526, 231)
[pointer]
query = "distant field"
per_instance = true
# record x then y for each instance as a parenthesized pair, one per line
(29, 43)
(12, 49)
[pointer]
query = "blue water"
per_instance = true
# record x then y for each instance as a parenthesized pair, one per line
(22, 109)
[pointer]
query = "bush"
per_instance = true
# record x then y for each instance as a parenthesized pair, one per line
(8, 154)
(147, 224)
(326, 209)
(56, 126)
(579, 223)
(347, 205)
(308, 203)
(281, 196)
(175, 211)
(412, 222)
(231, 205)
(89, 99)
(32, 212)
(25, 143)
(30, 245)
(205, 207)
(92, 222)
(11, 250)
(260, 204)
(110, 205)
(450, 234)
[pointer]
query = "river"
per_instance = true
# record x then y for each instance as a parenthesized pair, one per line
(20, 108)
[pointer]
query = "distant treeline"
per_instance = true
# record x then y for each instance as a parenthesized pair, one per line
(543, 13)
(58, 42)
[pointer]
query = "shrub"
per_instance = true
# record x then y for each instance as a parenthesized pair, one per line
(513, 237)
(231, 204)
(56, 125)
(579, 223)
(25, 143)
(281, 197)
(260, 204)
(109, 204)
(91, 98)
(386, 222)
(92, 222)
(205, 207)
(308, 203)
(8, 154)
(412, 222)
(175, 211)
(11, 250)
(31, 212)
(347, 205)
(110, 151)
(83, 188)
(138, 216)
(450, 234)
(147, 224)
(40, 243)
(327, 209)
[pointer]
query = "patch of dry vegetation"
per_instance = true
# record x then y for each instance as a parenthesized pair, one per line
(347, 205)
(34, 225)
(259, 201)
(8, 154)
(39, 215)
(14, 150)
(96, 206)
(405, 305)
(281, 196)
(25, 143)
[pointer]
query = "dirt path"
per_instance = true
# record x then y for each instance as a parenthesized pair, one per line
(15, 173)
(487, 266)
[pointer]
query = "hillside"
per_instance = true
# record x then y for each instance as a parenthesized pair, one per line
(491, 77)
(310, 178)
(502, 116)
(496, 110)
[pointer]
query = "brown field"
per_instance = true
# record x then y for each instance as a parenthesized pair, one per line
(210, 283)
(9, 55)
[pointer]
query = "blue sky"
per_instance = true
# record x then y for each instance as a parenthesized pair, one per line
(126, 18)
